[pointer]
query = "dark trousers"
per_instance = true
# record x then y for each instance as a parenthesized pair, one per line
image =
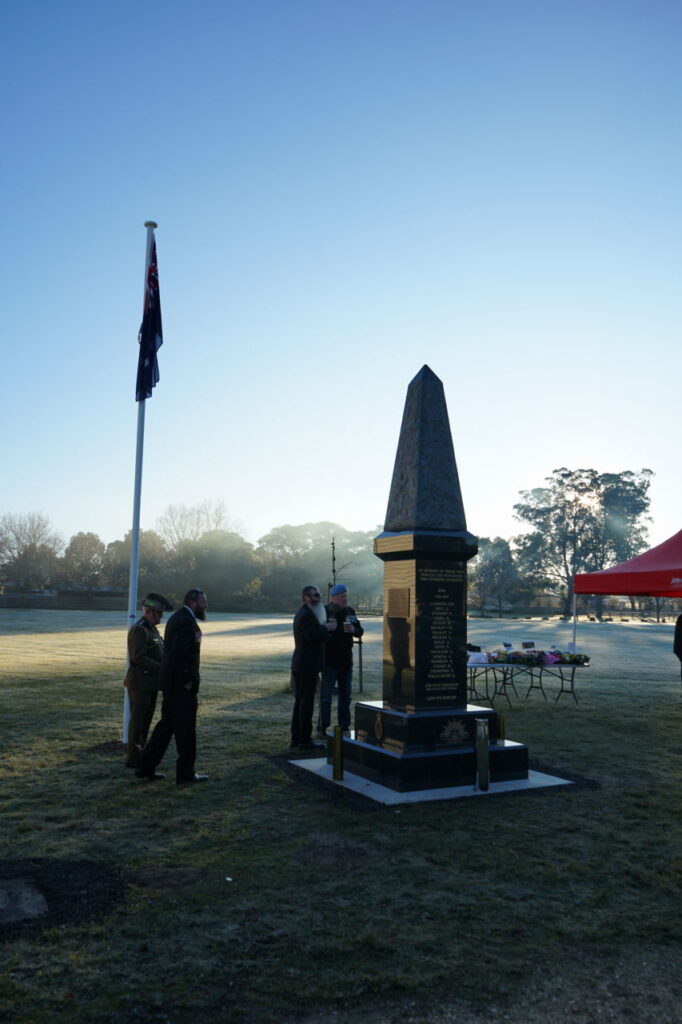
(302, 717)
(178, 719)
(142, 704)
(342, 678)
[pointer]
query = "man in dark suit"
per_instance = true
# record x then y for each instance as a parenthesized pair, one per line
(179, 679)
(310, 636)
(677, 643)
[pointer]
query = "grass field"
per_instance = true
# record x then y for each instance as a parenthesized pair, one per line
(557, 905)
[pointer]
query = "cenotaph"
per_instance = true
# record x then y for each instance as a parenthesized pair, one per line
(422, 734)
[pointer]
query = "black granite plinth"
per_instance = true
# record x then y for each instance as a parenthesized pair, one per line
(432, 769)
(401, 732)
(411, 750)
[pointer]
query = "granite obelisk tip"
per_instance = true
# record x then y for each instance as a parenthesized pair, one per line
(425, 492)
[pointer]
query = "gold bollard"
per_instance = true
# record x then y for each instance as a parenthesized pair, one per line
(482, 754)
(337, 750)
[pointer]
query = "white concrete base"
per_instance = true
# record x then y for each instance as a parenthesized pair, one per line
(383, 795)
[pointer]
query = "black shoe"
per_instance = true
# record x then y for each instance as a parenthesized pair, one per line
(311, 745)
(191, 780)
(149, 775)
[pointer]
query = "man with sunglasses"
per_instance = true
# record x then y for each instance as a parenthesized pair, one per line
(310, 635)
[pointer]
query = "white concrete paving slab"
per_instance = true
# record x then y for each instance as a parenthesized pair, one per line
(383, 795)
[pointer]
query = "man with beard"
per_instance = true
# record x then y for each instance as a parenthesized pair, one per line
(310, 635)
(179, 679)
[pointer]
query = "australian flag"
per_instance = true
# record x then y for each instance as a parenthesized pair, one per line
(151, 333)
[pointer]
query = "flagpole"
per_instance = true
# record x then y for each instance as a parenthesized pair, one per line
(135, 547)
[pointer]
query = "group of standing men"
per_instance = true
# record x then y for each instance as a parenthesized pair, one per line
(171, 665)
(323, 647)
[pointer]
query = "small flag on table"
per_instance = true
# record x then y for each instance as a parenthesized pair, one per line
(151, 333)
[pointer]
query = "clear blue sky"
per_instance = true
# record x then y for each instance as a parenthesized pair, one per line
(344, 191)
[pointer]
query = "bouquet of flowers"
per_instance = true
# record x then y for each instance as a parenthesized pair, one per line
(569, 658)
(524, 657)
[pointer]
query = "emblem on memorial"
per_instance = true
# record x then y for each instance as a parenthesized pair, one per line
(454, 732)
(378, 729)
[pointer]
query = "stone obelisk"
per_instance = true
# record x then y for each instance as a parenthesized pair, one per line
(425, 547)
(421, 735)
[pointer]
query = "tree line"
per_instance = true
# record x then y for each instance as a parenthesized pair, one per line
(579, 521)
(191, 545)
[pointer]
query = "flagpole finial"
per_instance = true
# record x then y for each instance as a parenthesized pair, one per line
(150, 224)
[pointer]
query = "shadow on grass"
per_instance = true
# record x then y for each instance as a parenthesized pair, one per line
(76, 891)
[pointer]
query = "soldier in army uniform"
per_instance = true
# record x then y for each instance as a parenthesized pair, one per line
(145, 647)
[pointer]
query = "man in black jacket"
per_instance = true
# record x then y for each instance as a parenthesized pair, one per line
(677, 643)
(179, 679)
(338, 656)
(310, 635)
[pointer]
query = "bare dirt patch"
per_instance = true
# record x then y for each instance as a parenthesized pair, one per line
(74, 891)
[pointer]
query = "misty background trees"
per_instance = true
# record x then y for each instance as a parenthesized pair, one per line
(582, 521)
(579, 521)
(191, 546)
(29, 550)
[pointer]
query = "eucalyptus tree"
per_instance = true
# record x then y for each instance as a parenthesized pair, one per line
(494, 579)
(582, 521)
(153, 567)
(83, 562)
(226, 566)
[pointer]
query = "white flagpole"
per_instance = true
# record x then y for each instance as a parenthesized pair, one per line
(135, 549)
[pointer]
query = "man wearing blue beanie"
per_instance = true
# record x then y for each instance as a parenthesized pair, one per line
(338, 656)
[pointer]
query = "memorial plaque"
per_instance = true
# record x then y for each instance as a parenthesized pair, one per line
(425, 633)
(440, 630)
(398, 674)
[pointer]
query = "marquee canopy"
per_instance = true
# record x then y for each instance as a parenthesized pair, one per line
(655, 573)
